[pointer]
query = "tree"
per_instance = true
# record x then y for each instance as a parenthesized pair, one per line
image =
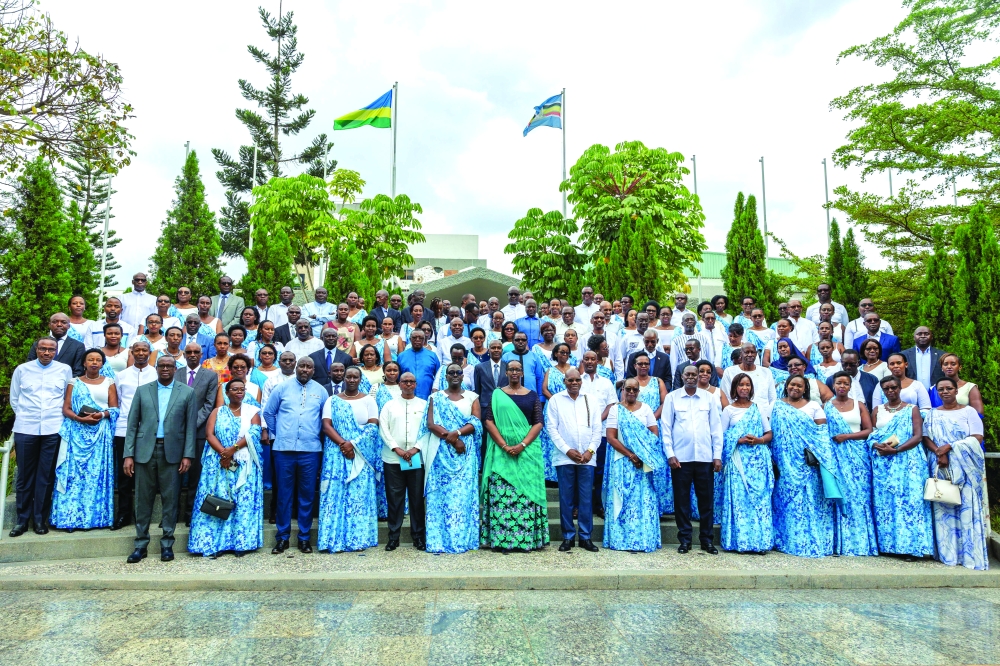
(84, 270)
(351, 270)
(606, 188)
(976, 328)
(188, 252)
(544, 255)
(853, 282)
(282, 116)
(270, 263)
(383, 230)
(835, 262)
(746, 272)
(644, 280)
(934, 304)
(810, 272)
(58, 100)
(35, 280)
(85, 183)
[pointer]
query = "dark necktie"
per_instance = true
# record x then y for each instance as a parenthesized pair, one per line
(336, 389)
(222, 305)
(190, 377)
(329, 359)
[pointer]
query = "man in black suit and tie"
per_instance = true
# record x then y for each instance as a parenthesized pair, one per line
(286, 332)
(490, 375)
(382, 310)
(324, 359)
(206, 386)
(159, 447)
(923, 361)
(692, 349)
(659, 362)
(69, 351)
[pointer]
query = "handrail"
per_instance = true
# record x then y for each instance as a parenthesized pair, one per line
(4, 471)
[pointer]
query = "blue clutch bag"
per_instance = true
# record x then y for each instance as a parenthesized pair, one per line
(413, 464)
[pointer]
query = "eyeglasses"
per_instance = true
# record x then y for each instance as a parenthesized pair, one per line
(407, 381)
(630, 389)
(454, 373)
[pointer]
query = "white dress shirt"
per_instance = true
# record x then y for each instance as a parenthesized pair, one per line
(300, 348)
(96, 337)
(764, 392)
(444, 346)
(678, 315)
(573, 424)
(601, 389)
(857, 327)
(804, 334)
(136, 306)
(923, 369)
(398, 424)
(840, 315)
(582, 313)
(718, 337)
(626, 345)
(582, 329)
(129, 381)
(692, 426)
(271, 384)
(513, 312)
(36, 395)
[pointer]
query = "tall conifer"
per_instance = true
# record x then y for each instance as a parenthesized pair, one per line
(85, 276)
(935, 302)
(835, 263)
(270, 264)
(853, 280)
(746, 272)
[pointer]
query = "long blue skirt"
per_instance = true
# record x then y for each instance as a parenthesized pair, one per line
(745, 507)
(244, 529)
(631, 513)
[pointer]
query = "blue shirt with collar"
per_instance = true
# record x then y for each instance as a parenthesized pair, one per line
(294, 415)
(163, 399)
(423, 365)
(530, 327)
(534, 370)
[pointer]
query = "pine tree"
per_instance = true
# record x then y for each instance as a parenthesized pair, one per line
(189, 250)
(835, 263)
(644, 279)
(934, 303)
(282, 115)
(853, 281)
(349, 271)
(977, 327)
(84, 270)
(746, 272)
(34, 263)
(270, 264)
(87, 184)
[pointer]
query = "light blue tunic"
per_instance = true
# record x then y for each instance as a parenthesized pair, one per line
(748, 482)
(632, 513)
(650, 395)
(853, 519)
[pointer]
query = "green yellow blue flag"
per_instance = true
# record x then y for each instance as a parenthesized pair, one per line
(376, 114)
(549, 114)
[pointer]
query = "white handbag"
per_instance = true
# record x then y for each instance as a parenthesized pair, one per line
(941, 490)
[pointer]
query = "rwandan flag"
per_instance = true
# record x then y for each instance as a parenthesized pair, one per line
(548, 114)
(376, 114)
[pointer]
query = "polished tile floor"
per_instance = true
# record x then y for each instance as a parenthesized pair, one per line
(914, 626)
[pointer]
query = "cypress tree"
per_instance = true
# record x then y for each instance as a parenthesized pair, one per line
(746, 272)
(977, 322)
(934, 303)
(270, 264)
(835, 265)
(644, 278)
(34, 262)
(189, 250)
(84, 271)
(87, 184)
(350, 270)
(853, 281)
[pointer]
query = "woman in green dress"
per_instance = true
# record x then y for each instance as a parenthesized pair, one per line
(512, 491)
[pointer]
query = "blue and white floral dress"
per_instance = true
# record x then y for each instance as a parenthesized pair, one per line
(631, 506)
(748, 483)
(854, 519)
(662, 485)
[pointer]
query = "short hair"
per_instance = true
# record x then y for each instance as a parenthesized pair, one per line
(361, 354)
(947, 379)
(155, 314)
(388, 363)
(869, 342)
(594, 342)
(239, 357)
(92, 350)
(696, 342)
(474, 329)
(141, 342)
(946, 355)
(458, 345)
(697, 366)
(114, 325)
(850, 352)
(717, 298)
(890, 378)
(238, 327)
(899, 354)
(256, 315)
(736, 382)
(842, 373)
(805, 381)
(736, 328)
(230, 383)
(545, 324)
(556, 349)
(174, 328)
(221, 335)
(369, 318)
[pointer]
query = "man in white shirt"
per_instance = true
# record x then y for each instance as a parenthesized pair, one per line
(805, 332)
(684, 333)
(513, 310)
(584, 310)
(840, 315)
(454, 336)
(568, 321)
(137, 304)
(286, 362)
(628, 344)
(764, 392)
(112, 315)
(597, 327)
(127, 383)
(398, 424)
(304, 342)
(485, 320)
(602, 390)
(680, 309)
(278, 313)
(37, 391)
(715, 333)
(857, 326)
(574, 424)
(320, 311)
(692, 440)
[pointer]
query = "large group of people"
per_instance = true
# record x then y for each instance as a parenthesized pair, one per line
(815, 435)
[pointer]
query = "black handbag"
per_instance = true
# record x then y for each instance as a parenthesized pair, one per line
(217, 507)
(86, 410)
(811, 459)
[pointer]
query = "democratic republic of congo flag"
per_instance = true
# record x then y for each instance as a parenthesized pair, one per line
(376, 114)
(548, 114)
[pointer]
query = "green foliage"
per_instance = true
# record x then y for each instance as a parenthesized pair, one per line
(934, 303)
(270, 263)
(346, 185)
(351, 270)
(835, 262)
(977, 304)
(644, 281)
(382, 231)
(544, 255)
(189, 249)
(746, 272)
(607, 188)
(810, 272)
(282, 116)
(58, 100)
(86, 183)
(35, 266)
(84, 271)
(852, 285)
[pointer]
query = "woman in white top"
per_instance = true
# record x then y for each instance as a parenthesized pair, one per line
(210, 326)
(79, 326)
(390, 340)
(184, 306)
(705, 372)
(911, 391)
(116, 357)
(665, 331)
(371, 366)
(871, 353)
(152, 332)
(369, 338)
(239, 368)
(390, 372)
(163, 308)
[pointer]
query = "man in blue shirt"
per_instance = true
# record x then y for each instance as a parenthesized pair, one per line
(529, 323)
(534, 366)
(293, 415)
(422, 362)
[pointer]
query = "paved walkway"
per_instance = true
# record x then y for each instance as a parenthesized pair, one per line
(497, 628)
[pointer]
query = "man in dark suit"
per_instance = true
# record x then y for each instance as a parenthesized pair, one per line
(890, 343)
(923, 361)
(692, 349)
(382, 310)
(159, 443)
(324, 358)
(850, 361)
(659, 362)
(193, 335)
(286, 332)
(206, 386)
(490, 375)
(70, 351)
(226, 305)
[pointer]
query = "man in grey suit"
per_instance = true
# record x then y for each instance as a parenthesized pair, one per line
(159, 443)
(206, 386)
(226, 305)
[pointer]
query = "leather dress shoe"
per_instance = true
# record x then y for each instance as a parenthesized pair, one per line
(137, 555)
(304, 547)
(588, 545)
(41, 529)
(420, 544)
(392, 545)
(167, 555)
(280, 547)
(566, 546)
(683, 548)
(18, 530)
(710, 549)
(120, 522)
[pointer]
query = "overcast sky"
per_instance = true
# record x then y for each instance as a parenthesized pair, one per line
(728, 82)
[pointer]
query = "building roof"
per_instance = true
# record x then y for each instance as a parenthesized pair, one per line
(712, 263)
(481, 281)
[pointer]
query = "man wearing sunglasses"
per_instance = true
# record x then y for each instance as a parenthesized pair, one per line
(137, 304)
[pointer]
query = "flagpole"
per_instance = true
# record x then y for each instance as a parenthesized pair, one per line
(104, 244)
(563, 123)
(395, 118)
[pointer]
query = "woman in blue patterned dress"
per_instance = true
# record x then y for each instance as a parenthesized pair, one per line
(250, 319)
(231, 469)
(83, 497)
(954, 435)
(849, 426)
(904, 524)
(459, 356)
(631, 507)
(555, 381)
(416, 315)
(239, 368)
(652, 392)
(747, 473)
(265, 336)
(451, 459)
(803, 517)
(545, 348)
(348, 509)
